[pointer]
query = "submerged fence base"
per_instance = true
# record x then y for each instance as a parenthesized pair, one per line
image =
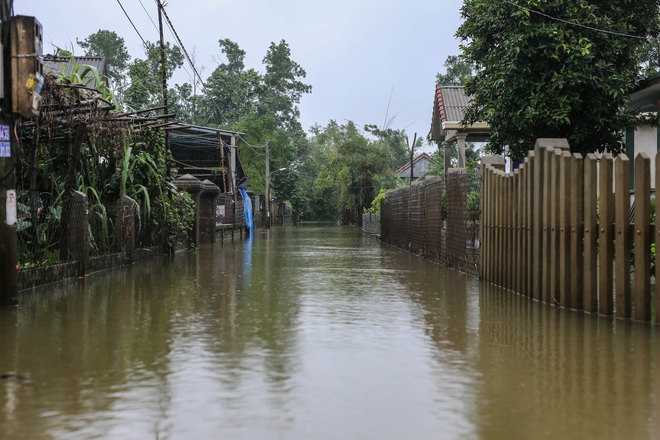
(566, 230)
(436, 219)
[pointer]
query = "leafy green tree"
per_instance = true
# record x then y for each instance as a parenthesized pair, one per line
(554, 68)
(394, 140)
(282, 87)
(145, 89)
(458, 71)
(355, 171)
(108, 44)
(231, 91)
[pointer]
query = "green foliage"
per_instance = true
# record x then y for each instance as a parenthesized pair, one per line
(542, 77)
(176, 217)
(376, 202)
(146, 79)
(108, 44)
(85, 75)
(458, 71)
(354, 170)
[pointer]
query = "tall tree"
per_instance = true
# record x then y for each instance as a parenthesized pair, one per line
(355, 170)
(457, 72)
(145, 89)
(108, 44)
(231, 91)
(554, 68)
(283, 87)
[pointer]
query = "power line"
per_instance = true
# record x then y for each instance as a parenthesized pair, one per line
(201, 81)
(132, 24)
(572, 23)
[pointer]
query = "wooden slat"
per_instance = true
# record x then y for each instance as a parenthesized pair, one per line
(622, 237)
(516, 235)
(554, 226)
(642, 238)
(547, 216)
(529, 213)
(590, 231)
(657, 241)
(605, 245)
(577, 232)
(537, 223)
(499, 242)
(564, 211)
(483, 224)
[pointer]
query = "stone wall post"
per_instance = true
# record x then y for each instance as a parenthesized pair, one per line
(193, 186)
(206, 212)
(77, 232)
(125, 226)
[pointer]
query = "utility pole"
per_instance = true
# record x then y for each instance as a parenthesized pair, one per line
(8, 157)
(163, 58)
(411, 151)
(267, 196)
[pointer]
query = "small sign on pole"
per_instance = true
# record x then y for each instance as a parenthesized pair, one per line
(11, 207)
(5, 146)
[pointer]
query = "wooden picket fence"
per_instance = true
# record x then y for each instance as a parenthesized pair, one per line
(566, 230)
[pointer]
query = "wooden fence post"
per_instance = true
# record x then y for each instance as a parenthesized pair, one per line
(605, 248)
(622, 236)
(565, 264)
(537, 224)
(642, 238)
(590, 296)
(577, 236)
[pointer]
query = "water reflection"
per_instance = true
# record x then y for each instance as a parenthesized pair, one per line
(315, 333)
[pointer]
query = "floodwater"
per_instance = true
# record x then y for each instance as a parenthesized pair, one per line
(315, 333)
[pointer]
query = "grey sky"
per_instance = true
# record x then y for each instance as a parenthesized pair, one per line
(354, 51)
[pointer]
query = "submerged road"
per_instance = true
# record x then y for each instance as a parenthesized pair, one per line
(315, 333)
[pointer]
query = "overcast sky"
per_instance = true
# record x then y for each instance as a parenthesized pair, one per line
(355, 52)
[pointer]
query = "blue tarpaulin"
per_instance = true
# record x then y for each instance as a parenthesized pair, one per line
(247, 210)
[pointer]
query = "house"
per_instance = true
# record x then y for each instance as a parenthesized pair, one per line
(646, 137)
(421, 166)
(449, 105)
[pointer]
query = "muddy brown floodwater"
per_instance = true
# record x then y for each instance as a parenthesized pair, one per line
(315, 333)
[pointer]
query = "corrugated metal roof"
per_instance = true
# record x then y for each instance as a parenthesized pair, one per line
(452, 102)
(52, 64)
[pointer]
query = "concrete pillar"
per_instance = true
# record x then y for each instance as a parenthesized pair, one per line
(461, 149)
(206, 212)
(193, 186)
(77, 230)
(125, 226)
(496, 162)
(447, 156)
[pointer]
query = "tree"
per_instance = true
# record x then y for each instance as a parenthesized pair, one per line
(554, 68)
(146, 86)
(282, 87)
(457, 72)
(354, 171)
(394, 140)
(108, 44)
(231, 91)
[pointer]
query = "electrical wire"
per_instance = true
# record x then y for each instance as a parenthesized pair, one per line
(201, 81)
(572, 23)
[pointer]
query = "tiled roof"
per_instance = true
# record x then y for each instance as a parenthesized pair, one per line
(415, 160)
(452, 102)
